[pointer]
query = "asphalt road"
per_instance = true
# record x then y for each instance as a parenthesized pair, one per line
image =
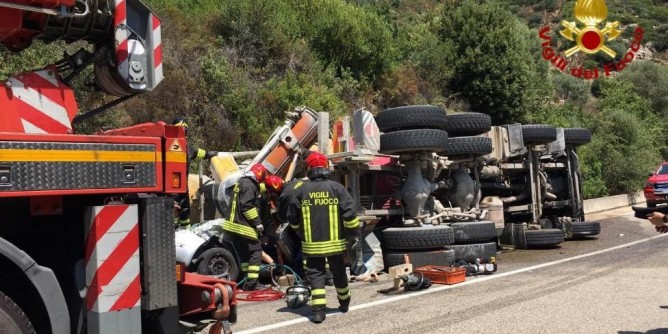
(616, 283)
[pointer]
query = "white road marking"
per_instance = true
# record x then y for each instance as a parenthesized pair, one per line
(433, 289)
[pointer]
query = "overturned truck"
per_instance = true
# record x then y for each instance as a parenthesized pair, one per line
(534, 173)
(432, 187)
(416, 187)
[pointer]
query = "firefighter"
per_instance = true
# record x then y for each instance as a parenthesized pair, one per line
(182, 201)
(322, 212)
(273, 186)
(244, 225)
(283, 202)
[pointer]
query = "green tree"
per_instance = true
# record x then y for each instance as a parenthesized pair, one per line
(494, 67)
(627, 137)
(349, 37)
(650, 80)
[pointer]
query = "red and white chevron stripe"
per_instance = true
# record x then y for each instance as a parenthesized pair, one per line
(43, 103)
(121, 35)
(112, 258)
(157, 50)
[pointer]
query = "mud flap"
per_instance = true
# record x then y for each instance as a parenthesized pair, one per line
(565, 225)
(513, 235)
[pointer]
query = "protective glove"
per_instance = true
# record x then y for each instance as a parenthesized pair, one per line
(259, 228)
(211, 154)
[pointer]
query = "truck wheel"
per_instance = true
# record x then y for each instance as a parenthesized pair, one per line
(538, 134)
(470, 252)
(577, 136)
(419, 140)
(12, 318)
(544, 237)
(417, 238)
(585, 229)
(391, 259)
(471, 232)
(218, 261)
(468, 124)
(411, 117)
(468, 146)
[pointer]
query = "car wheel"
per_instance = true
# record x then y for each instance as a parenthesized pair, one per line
(467, 124)
(218, 261)
(474, 232)
(544, 237)
(12, 319)
(420, 258)
(577, 136)
(537, 134)
(585, 229)
(420, 140)
(411, 117)
(467, 147)
(417, 238)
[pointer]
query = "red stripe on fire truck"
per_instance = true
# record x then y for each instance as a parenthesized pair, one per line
(112, 258)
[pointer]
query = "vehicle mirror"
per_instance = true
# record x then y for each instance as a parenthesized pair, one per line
(650, 174)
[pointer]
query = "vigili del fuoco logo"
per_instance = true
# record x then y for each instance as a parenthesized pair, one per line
(589, 35)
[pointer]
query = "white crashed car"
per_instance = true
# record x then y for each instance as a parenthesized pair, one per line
(204, 251)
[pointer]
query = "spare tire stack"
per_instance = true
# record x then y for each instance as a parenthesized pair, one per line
(476, 239)
(414, 129)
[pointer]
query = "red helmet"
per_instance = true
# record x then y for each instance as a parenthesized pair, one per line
(259, 171)
(274, 183)
(316, 159)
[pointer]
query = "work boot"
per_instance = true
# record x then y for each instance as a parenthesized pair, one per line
(344, 305)
(319, 315)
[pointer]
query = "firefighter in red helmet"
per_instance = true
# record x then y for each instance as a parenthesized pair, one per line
(273, 186)
(244, 224)
(322, 212)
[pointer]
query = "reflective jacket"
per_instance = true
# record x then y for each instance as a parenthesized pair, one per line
(244, 213)
(322, 212)
(286, 198)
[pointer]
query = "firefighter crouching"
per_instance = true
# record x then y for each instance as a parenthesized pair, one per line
(322, 213)
(244, 225)
(182, 201)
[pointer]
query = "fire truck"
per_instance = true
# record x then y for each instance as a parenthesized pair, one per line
(86, 225)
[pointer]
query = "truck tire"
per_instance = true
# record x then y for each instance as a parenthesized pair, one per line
(417, 238)
(419, 140)
(577, 136)
(391, 259)
(472, 232)
(471, 252)
(12, 319)
(468, 124)
(411, 117)
(538, 134)
(468, 146)
(585, 229)
(544, 237)
(218, 261)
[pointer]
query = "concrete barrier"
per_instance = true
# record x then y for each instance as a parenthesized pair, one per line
(612, 202)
